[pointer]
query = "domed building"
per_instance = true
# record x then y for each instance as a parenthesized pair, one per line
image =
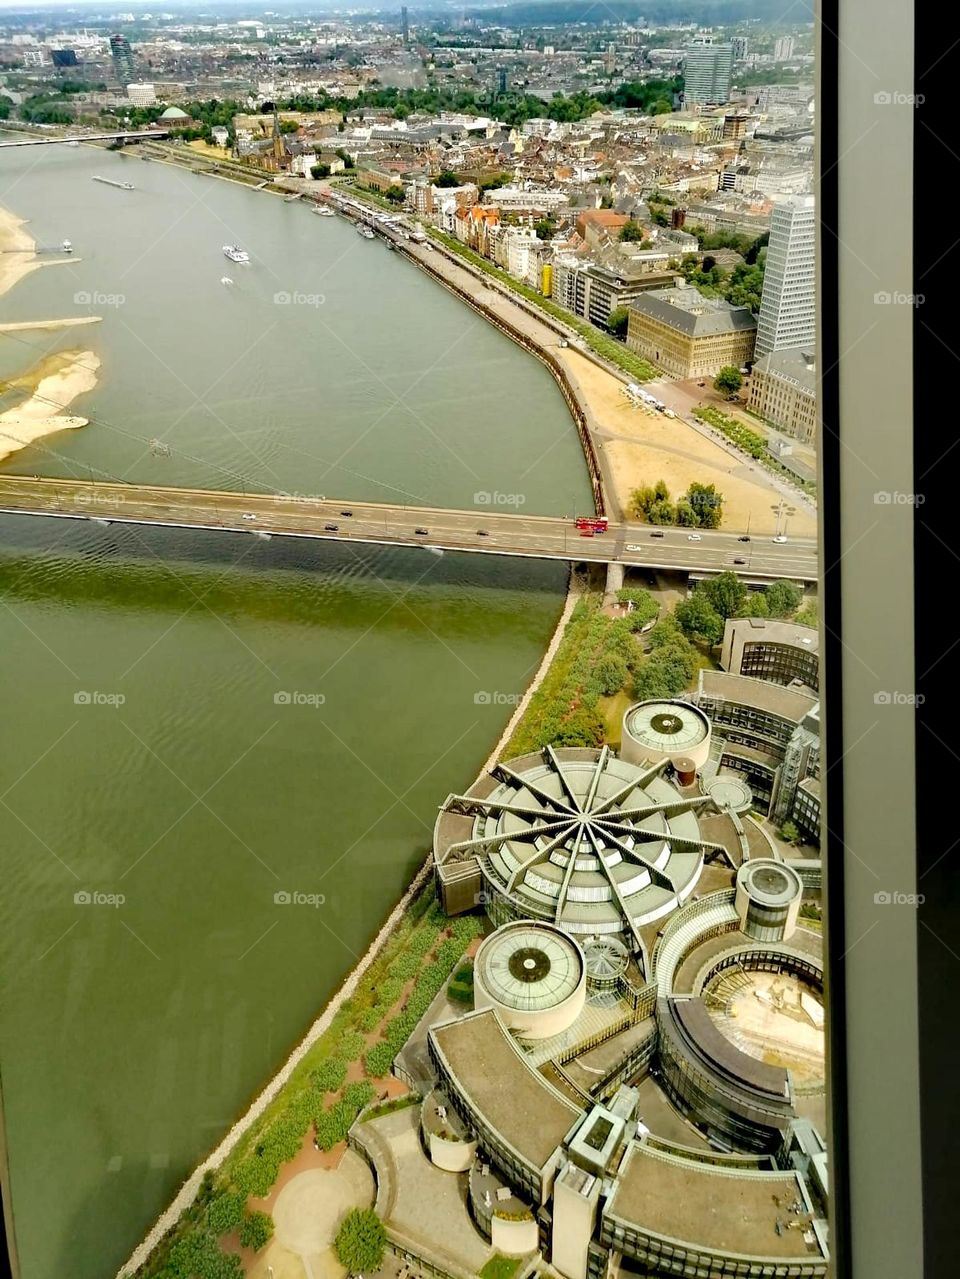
(572, 837)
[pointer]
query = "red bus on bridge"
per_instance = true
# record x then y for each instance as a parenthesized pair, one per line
(592, 523)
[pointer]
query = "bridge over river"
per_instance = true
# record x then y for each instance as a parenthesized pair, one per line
(486, 529)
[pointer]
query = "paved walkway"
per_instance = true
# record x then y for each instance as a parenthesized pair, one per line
(306, 1218)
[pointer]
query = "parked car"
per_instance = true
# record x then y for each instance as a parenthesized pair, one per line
(739, 561)
(331, 528)
(346, 514)
(694, 537)
(657, 533)
(744, 538)
(422, 532)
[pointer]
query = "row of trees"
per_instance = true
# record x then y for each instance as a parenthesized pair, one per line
(701, 506)
(703, 614)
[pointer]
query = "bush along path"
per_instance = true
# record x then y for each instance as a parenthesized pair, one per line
(344, 1071)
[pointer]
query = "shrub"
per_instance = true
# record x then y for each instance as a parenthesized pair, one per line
(358, 1094)
(351, 1045)
(360, 1241)
(329, 1075)
(224, 1213)
(256, 1230)
(370, 1018)
(378, 1060)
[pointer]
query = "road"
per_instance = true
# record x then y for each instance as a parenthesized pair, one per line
(484, 530)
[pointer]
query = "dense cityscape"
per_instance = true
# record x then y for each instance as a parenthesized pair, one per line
(588, 1040)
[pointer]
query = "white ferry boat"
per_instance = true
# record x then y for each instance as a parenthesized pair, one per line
(365, 231)
(324, 211)
(235, 253)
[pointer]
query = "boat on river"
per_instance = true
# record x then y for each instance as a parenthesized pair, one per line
(236, 254)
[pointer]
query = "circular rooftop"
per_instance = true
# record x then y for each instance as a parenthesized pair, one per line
(607, 961)
(529, 966)
(665, 730)
(534, 975)
(580, 839)
(730, 793)
(769, 883)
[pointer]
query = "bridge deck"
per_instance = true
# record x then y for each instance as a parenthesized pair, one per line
(485, 529)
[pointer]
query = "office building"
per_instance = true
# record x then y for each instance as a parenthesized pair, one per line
(706, 73)
(788, 307)
(783, 391)
(405, 25)
(689, 335)
(122, 56)
(142, 95)
(783, 49)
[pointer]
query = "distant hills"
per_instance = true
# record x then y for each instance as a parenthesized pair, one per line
(707, 12)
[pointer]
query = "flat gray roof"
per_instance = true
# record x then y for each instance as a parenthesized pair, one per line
(708, 1207)
(775, 699)
(496, 1081)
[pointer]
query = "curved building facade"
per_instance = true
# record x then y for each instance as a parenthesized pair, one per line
(665, 730)
(768, 899)
(534, 976)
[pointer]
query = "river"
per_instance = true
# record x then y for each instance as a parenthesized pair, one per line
(196, 723)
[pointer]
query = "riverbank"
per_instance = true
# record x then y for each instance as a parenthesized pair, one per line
(18, 251)
(293, 1068)
(51, 386)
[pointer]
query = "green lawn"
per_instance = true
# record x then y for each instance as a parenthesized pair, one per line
(500, 1267)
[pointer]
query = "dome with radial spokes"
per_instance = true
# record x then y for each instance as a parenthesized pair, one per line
(580, 839)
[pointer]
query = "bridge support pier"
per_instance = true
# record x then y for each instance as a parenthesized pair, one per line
(615, 573)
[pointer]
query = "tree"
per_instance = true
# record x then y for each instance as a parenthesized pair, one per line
(756, 605)
(611, 674)
(320, 170)
(446, 179)
(809, 615)
(618, 320)
(545, 228)
(697, 616)
(256, 1230)
(360, 1241)
(790, 833)
(631, 231)
(662, 512)
(687, 517)
(726, 593)
(783, 598)
(728, 380)
(707, 503)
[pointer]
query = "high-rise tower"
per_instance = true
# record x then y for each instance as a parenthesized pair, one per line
(122, 56)
(788, 306)
(707, 71)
